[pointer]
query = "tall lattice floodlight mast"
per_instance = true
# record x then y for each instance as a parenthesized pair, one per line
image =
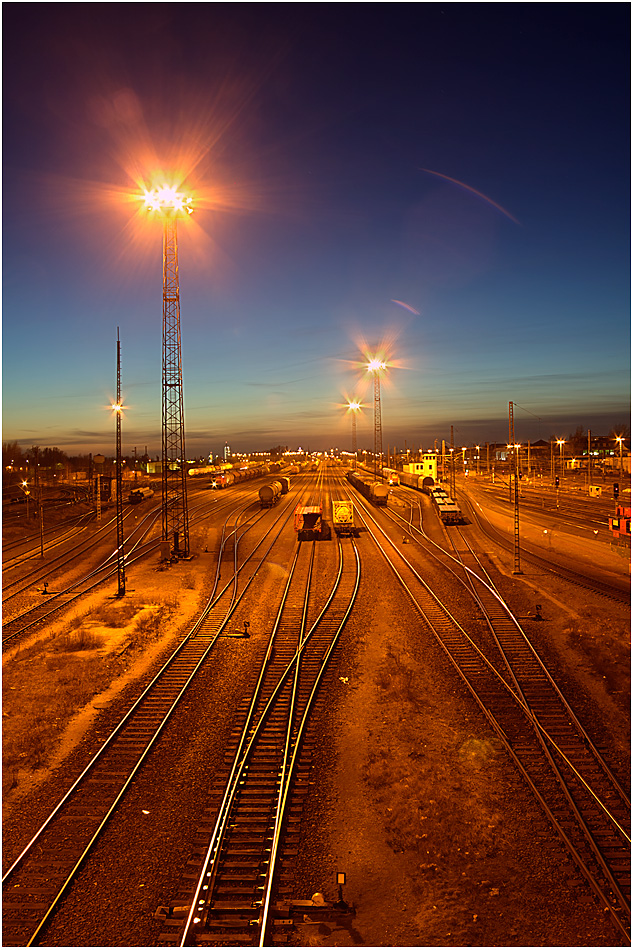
(171, 204)
(376, 367)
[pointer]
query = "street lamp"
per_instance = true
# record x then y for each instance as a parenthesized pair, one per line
(561, 443)
(169, 204)
(619, 439)
(353, 408)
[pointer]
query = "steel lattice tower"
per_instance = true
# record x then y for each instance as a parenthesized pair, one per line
(378, 432)
(175, 517)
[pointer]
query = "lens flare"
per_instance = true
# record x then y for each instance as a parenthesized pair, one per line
(462, 184)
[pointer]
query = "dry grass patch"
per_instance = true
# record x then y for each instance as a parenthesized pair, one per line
(48, 682)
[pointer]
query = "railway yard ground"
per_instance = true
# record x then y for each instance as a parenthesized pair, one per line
(417, 803)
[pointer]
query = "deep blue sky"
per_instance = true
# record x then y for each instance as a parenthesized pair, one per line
(312, 126)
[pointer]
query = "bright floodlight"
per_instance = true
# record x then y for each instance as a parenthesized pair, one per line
(375, 366)
(167, 200)
(355, 406)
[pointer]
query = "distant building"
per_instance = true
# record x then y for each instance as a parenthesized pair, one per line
(227, 453)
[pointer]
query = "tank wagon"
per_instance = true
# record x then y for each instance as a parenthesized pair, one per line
(285, 482)
(140, 494)
(343, 516)
(270, 494)
(376, 492)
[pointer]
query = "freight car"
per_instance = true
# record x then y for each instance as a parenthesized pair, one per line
(446, 507)
(139, 494)
(376, 492)
(285, 482)
(343, 516)
(270, 494)
(420, 482)
(309, 523)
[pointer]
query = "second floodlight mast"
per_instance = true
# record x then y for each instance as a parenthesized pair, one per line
(375, 367)
(170, 204)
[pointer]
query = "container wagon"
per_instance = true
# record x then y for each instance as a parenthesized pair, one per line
(269, 494)
(447, 508)
(139, 494)
(343, 516)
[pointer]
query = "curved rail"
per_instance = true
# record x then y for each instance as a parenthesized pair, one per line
(524, 707)
(51, 858)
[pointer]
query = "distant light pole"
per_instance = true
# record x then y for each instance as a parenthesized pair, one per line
(375, 367)
(561, 443)
(619, 439)
(353, 408)
(118, 411)
(170, 204)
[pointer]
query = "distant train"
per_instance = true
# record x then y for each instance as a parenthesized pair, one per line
(446, 507)
(374, 491)
(139, 494)
(209, 469)
(419, 482)
(222, 480)
(391, 476)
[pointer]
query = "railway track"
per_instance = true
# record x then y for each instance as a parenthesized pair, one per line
(39, 877)
(135, 547)
(568, 775)
(549, 564)
(230, 897)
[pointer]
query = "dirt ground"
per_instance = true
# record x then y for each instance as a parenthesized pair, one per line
(420, 807)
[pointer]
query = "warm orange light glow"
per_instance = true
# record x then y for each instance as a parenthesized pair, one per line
(167, 200)
(376, 366)
(354, 406)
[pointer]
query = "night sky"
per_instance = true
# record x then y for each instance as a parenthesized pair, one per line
(443, 185)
